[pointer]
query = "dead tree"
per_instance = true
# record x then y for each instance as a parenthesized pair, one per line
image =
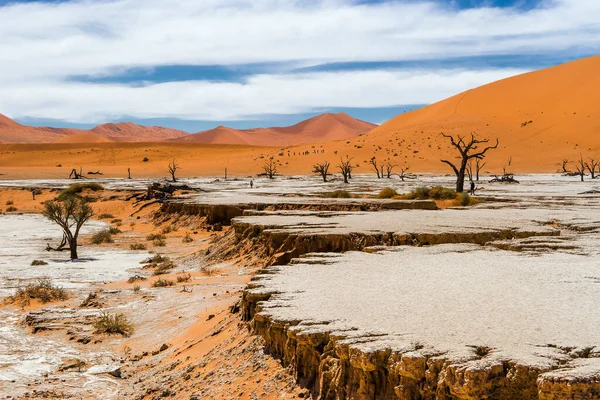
(506, 166)
(270, 168)
(173, 167)
(389, 167)
(469, 171)
(479, 164)
(378, 168)
(128, 173)
(70, 215)
(467, 150)
(225, 174)
(322, 169)
(563, 167)
(76, 175)
(404, 174)
(346, 167)
(591, 166)
(580, 167)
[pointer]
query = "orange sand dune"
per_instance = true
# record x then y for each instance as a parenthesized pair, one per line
(539, 118)
(322, 128)
(130, 132)
(13, 132)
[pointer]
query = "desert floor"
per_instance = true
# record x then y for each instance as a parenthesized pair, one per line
(282, 292)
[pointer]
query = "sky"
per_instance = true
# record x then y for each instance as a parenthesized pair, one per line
(193, 65)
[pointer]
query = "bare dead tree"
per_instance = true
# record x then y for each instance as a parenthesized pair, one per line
(76, 175)
(389, 167)
(322, 169)
(404, 174)
(173, 167)
(467, 150)
(225, 173)
(479, 164)
(563, 167)
(346, 167)
(469, 171)
(378, 168)
(506, 166)
(592, 165)
(270, 168)
(70, 215)
(128, 173)
(580, 167)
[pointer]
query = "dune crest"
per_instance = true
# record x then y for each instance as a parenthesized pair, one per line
(321, 128)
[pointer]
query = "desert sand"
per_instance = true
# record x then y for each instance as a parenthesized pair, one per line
(322, 128)
(540, 118)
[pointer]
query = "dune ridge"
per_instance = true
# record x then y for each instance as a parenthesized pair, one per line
(321, 128)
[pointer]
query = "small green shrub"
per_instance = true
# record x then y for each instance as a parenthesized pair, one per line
(184, 278)
(169, 229)
(135, 278)
(136, 288)
(113, 324)
(435, 193)
(163, 283)
(387, 193)
(163, 268)
(159, 242)
(115, 221)
(105, 216)
(145, 159)
(154, 236)
(43, 290)
(76, 188)
(338, 194)
(35, 263)
(138, 246)
(102, 237)
(114, 230)
(187, 238)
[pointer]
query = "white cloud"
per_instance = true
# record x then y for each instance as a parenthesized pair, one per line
(44, 43)
(261, 94)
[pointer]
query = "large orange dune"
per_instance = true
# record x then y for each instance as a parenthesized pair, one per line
(540, 118)
(322, 128)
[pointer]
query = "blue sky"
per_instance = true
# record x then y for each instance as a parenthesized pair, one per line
(247, 63)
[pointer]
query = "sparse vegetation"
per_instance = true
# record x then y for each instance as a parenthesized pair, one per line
(103, 236)
(145, 159)
(184, 278)
(338, 194)
(116, 221)
(9, 202)
(76, 188)
(135, 278)
(11, 209)
(35, 263)
(481, 351)
(136, 288)
(105, 216)
(208, 271)
(187, 238)
(43, 290)
(113, 324)
(169, 228)
(138, 246)
(114, 230)
(435, 193)
(155, 236)
(159, 242)
(163, 283)
(387, 193)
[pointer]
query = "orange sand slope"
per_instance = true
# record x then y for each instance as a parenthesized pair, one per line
(539, 118)
(322, 128)
(13, 132)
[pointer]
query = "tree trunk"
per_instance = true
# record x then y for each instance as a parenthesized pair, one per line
(460, 178)
(73, 248)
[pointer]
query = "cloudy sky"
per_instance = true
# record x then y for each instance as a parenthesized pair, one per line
(195, 64)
